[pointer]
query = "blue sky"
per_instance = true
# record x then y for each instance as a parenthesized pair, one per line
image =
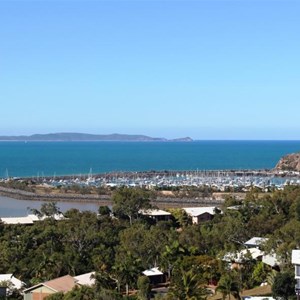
(205, 69)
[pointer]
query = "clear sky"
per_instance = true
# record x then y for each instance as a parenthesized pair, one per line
(205, 69)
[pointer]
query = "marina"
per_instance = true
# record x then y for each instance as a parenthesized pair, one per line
(220, 180)
(18, 202)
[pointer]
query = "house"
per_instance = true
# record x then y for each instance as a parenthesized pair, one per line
(242, 256)
(271, 260)
(237, 259)
(62, 284)
(296, 263)
(85, 279)
(200, 214)
(258, 298)
(29, 220)
(156, 214)
(155, 276)
(10, 283)
(17, 220)
(255, 242)
(42, 290)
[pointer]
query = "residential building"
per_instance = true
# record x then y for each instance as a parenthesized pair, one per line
(200, 214)
(157, 214)
(42, 290)
(155, 276)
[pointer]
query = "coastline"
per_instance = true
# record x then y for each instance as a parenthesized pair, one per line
(24, 195)
(213, 179)
(169, 178)
(160, 202)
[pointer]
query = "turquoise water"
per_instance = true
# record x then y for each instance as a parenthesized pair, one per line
(18, 159)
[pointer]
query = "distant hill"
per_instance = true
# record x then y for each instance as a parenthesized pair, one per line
(67, 136)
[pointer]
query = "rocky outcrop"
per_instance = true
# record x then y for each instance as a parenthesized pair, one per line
(290, 162)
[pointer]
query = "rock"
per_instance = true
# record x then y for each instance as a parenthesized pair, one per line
(290, 162)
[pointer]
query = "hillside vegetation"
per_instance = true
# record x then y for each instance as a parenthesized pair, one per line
(119, 248)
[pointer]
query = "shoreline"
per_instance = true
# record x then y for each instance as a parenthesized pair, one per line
(128, 178)
(24, 195)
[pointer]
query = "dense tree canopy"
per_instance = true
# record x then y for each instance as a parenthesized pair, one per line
(119, 248)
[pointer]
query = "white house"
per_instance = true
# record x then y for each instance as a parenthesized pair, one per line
(17, 220)
(243, 255)
(257, 298)
(252, 253)
(296, 262)
(156, 214)
(85, 279)
(200, 214)
(255, 242)
(29, 220)
(155, 275)
(270, 260)
(12, 283)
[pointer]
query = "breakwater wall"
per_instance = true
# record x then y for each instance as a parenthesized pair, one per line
(24, 195)
(161, 202)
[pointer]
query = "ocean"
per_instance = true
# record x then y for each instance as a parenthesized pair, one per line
(31, 159)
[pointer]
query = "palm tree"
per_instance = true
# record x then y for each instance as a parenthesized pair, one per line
(171, 253)
(187, 285)
(127, 271)
(228, 285)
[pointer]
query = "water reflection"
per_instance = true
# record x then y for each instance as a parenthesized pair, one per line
(10, 207)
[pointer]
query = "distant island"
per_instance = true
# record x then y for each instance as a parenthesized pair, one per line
(82, 137)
